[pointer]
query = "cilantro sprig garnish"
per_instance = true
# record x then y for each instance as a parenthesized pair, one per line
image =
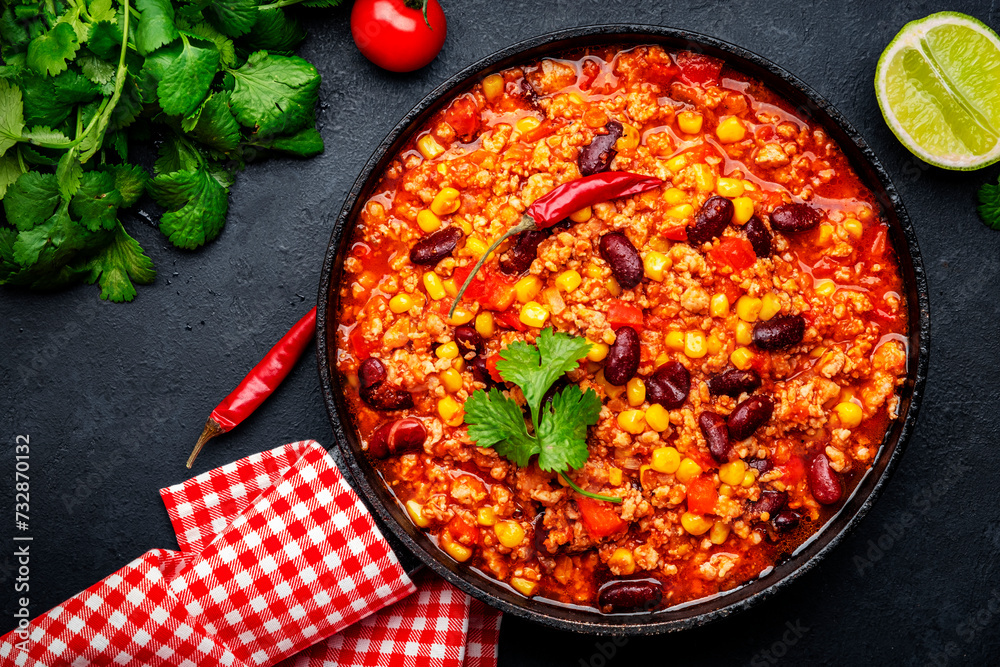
(989, 204)
(558, 433)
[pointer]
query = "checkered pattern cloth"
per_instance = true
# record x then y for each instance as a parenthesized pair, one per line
(280, 563)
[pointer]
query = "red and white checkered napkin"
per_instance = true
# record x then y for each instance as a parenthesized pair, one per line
(280, 563)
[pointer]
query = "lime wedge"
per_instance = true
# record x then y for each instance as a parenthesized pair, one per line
(938, 84)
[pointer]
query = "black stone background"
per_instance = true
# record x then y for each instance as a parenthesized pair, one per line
(114, 396)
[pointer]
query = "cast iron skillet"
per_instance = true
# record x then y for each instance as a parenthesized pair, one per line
(581, 619)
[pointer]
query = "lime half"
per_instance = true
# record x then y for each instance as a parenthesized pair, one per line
(938, 83)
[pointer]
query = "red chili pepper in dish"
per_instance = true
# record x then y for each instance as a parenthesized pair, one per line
(564, 200)
(259, 382)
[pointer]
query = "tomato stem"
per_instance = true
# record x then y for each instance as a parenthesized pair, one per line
(421, 5)
(595, 496)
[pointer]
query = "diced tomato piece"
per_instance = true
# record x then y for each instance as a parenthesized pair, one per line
(702, 495)
(510, 320)
(362, 349)
(477, 288)
(464, 117)
(599, 518)
(698, 69)
(678, 233)
(624, 314)
(793, 470)
(498, 294)
(733, 252)
(491, 367)
(591, 70)
(463, 531)
(661, 73)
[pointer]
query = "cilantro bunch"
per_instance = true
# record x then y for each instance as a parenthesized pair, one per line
(87, 84)
(989, 204)
(559, 428)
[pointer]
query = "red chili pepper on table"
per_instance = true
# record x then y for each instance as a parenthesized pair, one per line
(259, 382)
(564, 200)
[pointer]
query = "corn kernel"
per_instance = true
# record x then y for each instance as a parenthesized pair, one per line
(729, 187)
(485, 325)
(534, 314)
(687, 470)
(527, 124)
(569, 280)
(610, 390)
(510, 533)
(748, 308)
(719, 532)
(704, 179)
(854, 227)
(743, 208)
(824, 287)
(825, 234)
(451, 379)
(675, 340)
(456, 550)
(429, 147)
(622, 561)
(719, 305)
(742, 358)
(849, 413)
(629, 139)
(527, 288)
(632, 421)
(416, 512)
(744, 333)
(486, 516)
(583, 215)
(680, 212)
(427, 221)
(462, 315)
(725, 490)
(714, 344)
(458, 364)
(450, 287)
(770, 306)
(614, 476)
(695, 345)
(678, 162)
(675, 196)
(732, 472)
(613, 287)
(493, 86)
(524, 586)
(446, 202)
(730, 130)
(593, 271)
(749, 477)
(635, 391)
(476, 246)
(665, 459)
(663, 357)
(654, 264)
(447, 351)
(464, 225)
(689, 122)
(401, 303)
(448, 408)
(695, 524)
(657, 418)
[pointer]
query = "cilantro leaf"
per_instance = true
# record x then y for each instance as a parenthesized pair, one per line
(10, 170)
(989, 204)
(496, 421)
(534, 369)
(562, 433)
(275, 94)
(68, 173)
(185, 82)
(96, 202)
(156, 26)
(118, 264)
(48, 53)
(31, 200)
(216, 126)
(56, 241)
(233, 17)
(100, 10)
(225, 46)
(49, 101)
(130, 181)
(197, 203)
(105, 39)
(11, 115)
(7, 264)
(305, 143)
(101, 72)
(275, 31)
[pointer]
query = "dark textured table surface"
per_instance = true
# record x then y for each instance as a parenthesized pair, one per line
(113, 396)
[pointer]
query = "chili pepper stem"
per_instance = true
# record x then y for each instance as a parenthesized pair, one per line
(527, 224)
(212, 429)
(595, 496)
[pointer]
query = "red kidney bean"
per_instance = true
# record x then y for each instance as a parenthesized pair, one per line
(794, 218)
(437, 246)
(383, 396)
(623, 258)
(371, 372)
(759, 236)
(786, 520)
(623, 357)
(760, 465)
(823, 480)
(713, 427)
(397, 436)
(631, 595)
(596, 156)
(779, 332)
(468, 339)
(770, 501)
(519, 257)
(480, 372)
(748, 416)
(541, 534)
(713, 217)
(669, 385)
(734, 382)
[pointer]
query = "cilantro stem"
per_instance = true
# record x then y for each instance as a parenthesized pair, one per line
(595, 496)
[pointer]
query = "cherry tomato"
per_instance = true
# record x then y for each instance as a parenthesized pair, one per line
(393, 34)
